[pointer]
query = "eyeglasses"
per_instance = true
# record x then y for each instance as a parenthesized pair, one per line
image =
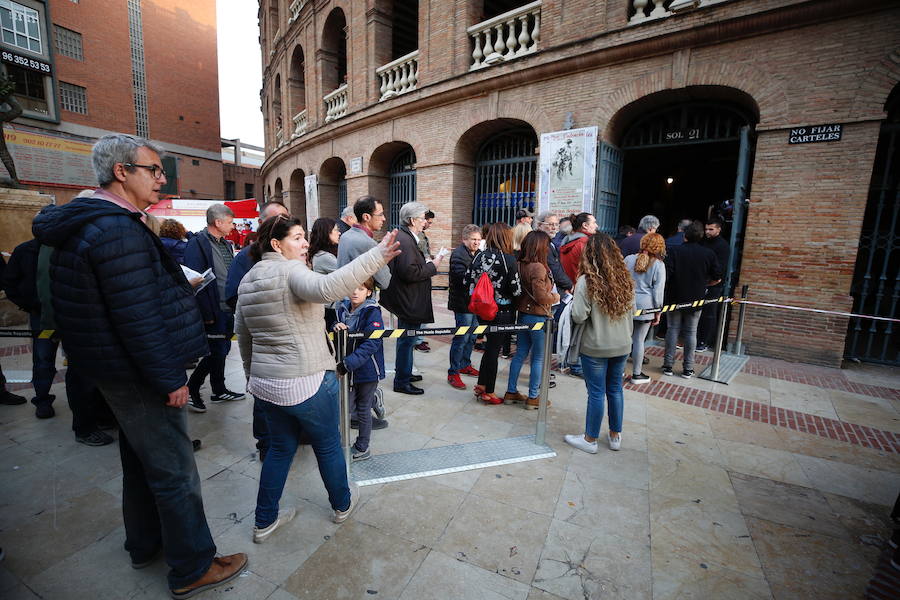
(155, 170)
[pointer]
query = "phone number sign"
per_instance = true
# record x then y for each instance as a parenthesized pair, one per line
(25, 61)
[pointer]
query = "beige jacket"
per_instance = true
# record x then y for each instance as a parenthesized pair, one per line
(280, 317)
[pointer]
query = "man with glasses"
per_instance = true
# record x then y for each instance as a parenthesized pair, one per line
(129, 322)
(360, 238)
(458, 302)
(210, 249)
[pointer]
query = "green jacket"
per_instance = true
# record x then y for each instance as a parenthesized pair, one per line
(603, 337)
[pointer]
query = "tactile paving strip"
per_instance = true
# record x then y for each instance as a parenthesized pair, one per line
(729, 366)
(397, 466)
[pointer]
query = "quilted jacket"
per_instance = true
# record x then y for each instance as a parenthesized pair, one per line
(123, 307)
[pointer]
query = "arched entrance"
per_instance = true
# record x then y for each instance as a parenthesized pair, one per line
(392, 175)
(505, 176)
(296, 195)
(875, 289)
(332, 187)
(684, 160)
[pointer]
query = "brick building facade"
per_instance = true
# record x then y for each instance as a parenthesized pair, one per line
(346, 100)
(113, 67)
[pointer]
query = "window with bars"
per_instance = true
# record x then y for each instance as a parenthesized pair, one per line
(73, 98)
(68, 42)
(138, 76)
(20, 26)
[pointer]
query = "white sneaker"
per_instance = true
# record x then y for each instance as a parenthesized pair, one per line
(342, 515)
(284, 516)
(579, 442)
(614, 443)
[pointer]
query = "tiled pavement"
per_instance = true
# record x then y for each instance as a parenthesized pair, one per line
(778, 485)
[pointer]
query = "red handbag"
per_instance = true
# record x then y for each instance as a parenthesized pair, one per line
(482, 303)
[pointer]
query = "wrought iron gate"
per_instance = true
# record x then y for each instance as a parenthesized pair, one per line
(342, 196)
(608, 188)
(402, 185)
(505, 175)
(875, 289)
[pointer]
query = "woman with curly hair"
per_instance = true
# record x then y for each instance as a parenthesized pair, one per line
(172, 234)
(604, 302)
(649, 274)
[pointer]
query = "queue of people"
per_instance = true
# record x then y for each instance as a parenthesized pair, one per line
(103, 275)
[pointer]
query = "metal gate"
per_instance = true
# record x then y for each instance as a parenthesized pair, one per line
(691, 123)
(608, 188)
(505, 175)
(402, 185)
(875, 290)
(342, 196)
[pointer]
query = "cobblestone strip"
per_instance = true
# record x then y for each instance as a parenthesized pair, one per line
(15, 350)
(859, 435)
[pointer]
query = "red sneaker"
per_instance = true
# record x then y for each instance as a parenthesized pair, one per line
(455, 381)
(470, 370)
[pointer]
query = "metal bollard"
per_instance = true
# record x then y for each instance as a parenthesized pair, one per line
(342, 342)
(720, 336)
(740, 326)
(541, 430)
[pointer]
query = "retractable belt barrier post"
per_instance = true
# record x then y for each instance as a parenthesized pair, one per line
(544, 401)
(341, 342)
(720, 337)
(742, 312)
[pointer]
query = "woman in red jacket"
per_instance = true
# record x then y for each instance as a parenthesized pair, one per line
(583, 226)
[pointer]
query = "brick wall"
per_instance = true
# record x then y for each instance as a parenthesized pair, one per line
(796, 68)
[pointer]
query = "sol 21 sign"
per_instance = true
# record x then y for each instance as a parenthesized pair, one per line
(815, 133)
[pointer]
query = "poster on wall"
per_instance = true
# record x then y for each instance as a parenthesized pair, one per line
(41, 158)
(311, 185)
(568, 167)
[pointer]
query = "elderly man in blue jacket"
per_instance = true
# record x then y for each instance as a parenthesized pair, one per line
(128, 321)
(210, 250)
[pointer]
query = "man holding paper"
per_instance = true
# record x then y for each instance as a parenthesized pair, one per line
(409, 294)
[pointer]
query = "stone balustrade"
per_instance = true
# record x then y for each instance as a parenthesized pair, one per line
(646, 10)
(295, 8)
(399, 76)
(336, 104)
(507, 36)
(279, 138)
(300, 123)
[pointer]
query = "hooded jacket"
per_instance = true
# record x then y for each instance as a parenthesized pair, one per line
(365, 359)
(570, 253)
(123, 307)
(458, 292)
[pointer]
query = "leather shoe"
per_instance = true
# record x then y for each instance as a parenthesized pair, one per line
(409, 389)
(415, 378)
(222, 570)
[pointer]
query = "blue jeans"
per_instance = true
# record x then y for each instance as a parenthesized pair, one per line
(461, 346)
(260, 428)
(403, 361)
(528, 341)
(43, 362)
(317, 417)
(162, 503)
(603, 379)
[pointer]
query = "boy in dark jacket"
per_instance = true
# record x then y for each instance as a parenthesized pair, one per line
(364, 362)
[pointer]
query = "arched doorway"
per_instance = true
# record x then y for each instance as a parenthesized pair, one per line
(279, 190)
(875, 289)
(333, 54)
(402, 184)
(505, 175)
(296, 195)
(332, 187)
(687, 159)
(297, 91)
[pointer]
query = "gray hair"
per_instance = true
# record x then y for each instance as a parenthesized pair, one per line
(649, 222)
(684, 224)
(410, 210)
(217, 211)
(542, 218)
(347, 212)
(470, 229)
(116, 148)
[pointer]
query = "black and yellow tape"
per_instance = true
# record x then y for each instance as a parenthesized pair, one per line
(681, 306)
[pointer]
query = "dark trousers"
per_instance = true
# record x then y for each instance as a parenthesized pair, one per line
(706, 330)
(487, 373)
(362, 396)
(85, 401)
(214, 363)
(403, 358)
(161, 498)
(43, 363)
(260, 425)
